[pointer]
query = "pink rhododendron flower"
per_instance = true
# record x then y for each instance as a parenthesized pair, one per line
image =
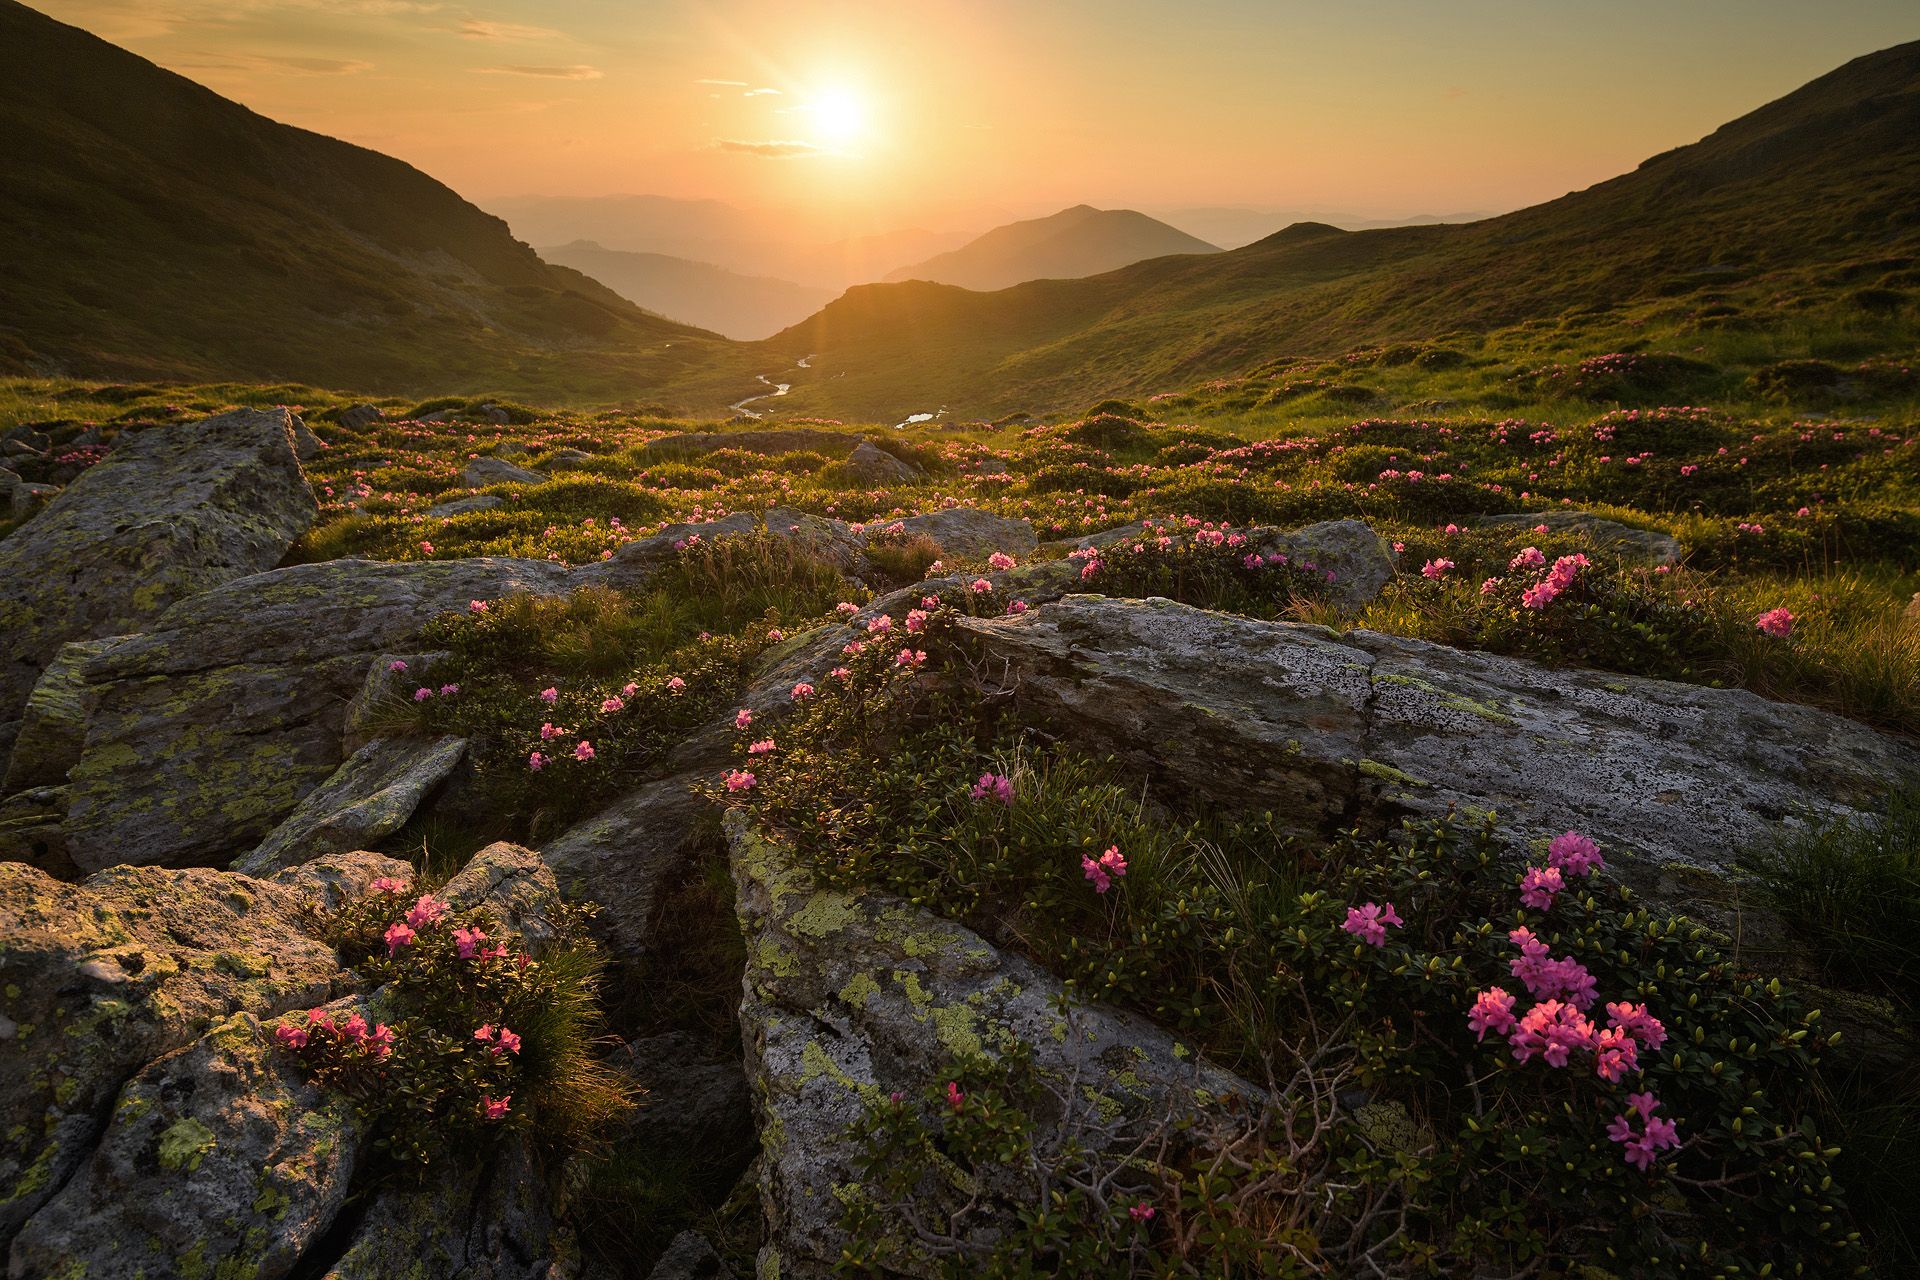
(846, 608)
(1142, 1212)
(448, 690)
(1656, 1135)
(761, 747)
(841, 673)
(426, 912)
(994, 786)
(1088, 569)
(929, 602)
(583, 751)
(739, 780)
(1551, 1030)
(291, 1037)
(396, 666)
(476, 606)
(1635, 1021)
(422, 694)
(1435, 568)
(742, 718)
(1492, 1011)
(426, 548)
(535, 761)
(1490, 586)
(980, 586)
(1777, 623)
(916, 620)
(492, 1108)
(776, 635)
(387, 884)
(467, 941)
(1018, 606)
(1539, 885)
(1614, 1054)
(397, 936)
(955, 1098)
(1574, 854)
(879, 624)
(1369, 922)
(550, 696)
(1529, 558)
(802, 691)
(1000, 560)
(911, 659)
(1547, 978)
(1104, 870)
(675, 684)
(610, 705)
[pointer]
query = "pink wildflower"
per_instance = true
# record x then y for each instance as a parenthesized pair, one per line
(1000, 560)
(550, 696)
(1018, 606)
(1777, 623)
(291, 1037)
(1435, 568)
(1492, 1011)
(1104, 870)
(675, 684)
(994, 786)
(536, 762)
(846, 608)
(1551, 1030)
(916, 620)
(911, 659)
(583, 752)
(422, 694)
(1574, 854)
(1369, 922)
(742, 718)
(739, 780)
(879, 623)
(387, 884)
(448, 690)
(1539, 885)
(1529, 558)
(802, 691)
(476, 606)
(955, 1098)
(467, 941)
(610, 705)
(1656, 1135)
(397, 936)
(426, 911)
(492, 1108)
(1142, 1212)
(396, 666)
(1638, 1023)
(761, 747)
(980, 586)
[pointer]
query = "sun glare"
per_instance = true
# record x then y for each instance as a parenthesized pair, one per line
(839, 116)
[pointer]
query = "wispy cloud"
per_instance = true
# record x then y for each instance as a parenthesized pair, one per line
(725, 84)
(580, 72)
(487, 29)
(760, 93)
(319, 66)
(774, 148)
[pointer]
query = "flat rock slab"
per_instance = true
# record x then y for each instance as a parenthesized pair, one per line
(482, 472)
(847, 999)
(370, 796)
(962, 531)
(169, 513)
(1647, 546)
(1329, 729)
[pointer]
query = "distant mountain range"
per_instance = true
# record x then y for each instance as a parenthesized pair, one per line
(151, 228)
(1081, 241)
(1232, 226)
(699, 293)
(1816, 188)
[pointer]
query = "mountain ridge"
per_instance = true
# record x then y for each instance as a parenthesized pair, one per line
(1075, 242)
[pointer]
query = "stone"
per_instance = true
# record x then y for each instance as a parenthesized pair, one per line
(100, 978)
(167, 515)
(466, 506)
(690, 1257)
(847, 999)
(218, 1159)
(384, 701)
(870, 464)
(1327, 730)
(513, 883)
(512, 450)
(693, 1103)
(54, 723)
(306, 445)
(1644, 546)
(360, 416)
(370, 796)
(482, 472)
(567, 460)
(965, 532)
(208, 730)
(29, 498)
(31, 832)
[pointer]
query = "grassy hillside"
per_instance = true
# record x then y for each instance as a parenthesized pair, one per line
(1795, 219)
(1081, 241)
(697, 293)
(149, 227)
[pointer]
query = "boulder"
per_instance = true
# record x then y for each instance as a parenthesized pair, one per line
(1327, 730)
(359, 416)
(628, 854)
(369, 797)
(30, 497)
(690, 1257)
(306, 445)
(168, 514)
(218, 1160)
(465, 506)
(1644, 546)
(30, 829)
(850, 998)
(694, 1103)
(515, 884)
(53, 724)
(98, 979)
(965, 532)
(870, 464)
(207, 731)
(567, 460)
(482, 472)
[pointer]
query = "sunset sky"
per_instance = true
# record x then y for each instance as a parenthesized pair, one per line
(1372, 107)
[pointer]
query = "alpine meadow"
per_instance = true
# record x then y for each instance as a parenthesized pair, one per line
(959, 641)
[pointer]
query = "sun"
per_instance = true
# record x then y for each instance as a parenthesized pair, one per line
(839, 116)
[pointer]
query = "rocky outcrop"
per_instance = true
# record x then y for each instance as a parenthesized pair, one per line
(1328, 729)
(870, 464)
(360, 416)
(100, 978)
(368, 798)
(466, 506)
(628, 854)
(848, 999)
(53, 725)
(965, 532)
(1645, 546)
(1350, 550)
(482, 472)
(169, 513)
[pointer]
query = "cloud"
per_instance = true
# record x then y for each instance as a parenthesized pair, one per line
(1453, 91)
(725, 84)
(776, 149)
(759, 93)
(581, 72)
(487, 29)
(318, 66)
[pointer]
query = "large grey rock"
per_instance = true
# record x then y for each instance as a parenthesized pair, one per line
(369, 797)
(168, 514)
(628, 854)
(306, 445)
(466, 506)
(207, 731)
(515, 885)
(359, 416)
(1349, 549)
(963, 531)
(567, 460)
(218, 1160)
(847, 999)
(30, 497)
(100, 978)
(1327, 730)
(1647, 546)
(690, 1257)
(871, 464)
(53, 725)
(482, 472)
(31, 829)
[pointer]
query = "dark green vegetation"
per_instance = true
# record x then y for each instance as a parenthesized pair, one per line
(149, 227)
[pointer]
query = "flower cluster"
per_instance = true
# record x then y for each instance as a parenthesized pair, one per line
(1104, 870)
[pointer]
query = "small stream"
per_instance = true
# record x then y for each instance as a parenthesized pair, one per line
(779, 389)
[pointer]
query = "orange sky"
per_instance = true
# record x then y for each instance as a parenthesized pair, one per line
(1370, 107)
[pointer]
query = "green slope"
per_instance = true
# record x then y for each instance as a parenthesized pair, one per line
(1819, 187)
(151, 228)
